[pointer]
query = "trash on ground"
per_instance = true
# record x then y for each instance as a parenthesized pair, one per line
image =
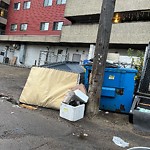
(7, 98)
(80, 135)
(73, 106)
(3, 95)
(139, 148)
(16, 106)
(85, 134)
(28, 107)
(80, 87)
(143, 110)
(48, 87)
(12, 112)
(72, 113)
(106, 112)
(118, 141)
(75, 98)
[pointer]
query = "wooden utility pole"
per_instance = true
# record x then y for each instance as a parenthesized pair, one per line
(100, 56)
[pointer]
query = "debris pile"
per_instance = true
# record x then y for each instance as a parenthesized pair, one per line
(73, 106)
(8, 98)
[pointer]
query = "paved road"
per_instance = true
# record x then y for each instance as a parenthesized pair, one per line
(43, 129)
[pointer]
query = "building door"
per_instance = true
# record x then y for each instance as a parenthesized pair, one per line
(76, 57)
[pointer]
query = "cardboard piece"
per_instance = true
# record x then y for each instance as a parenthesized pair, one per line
(80, 87)
(13, 61)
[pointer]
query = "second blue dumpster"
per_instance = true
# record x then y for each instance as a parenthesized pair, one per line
(117, 90)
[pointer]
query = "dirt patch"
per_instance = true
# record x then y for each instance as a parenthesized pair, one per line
(12, 80)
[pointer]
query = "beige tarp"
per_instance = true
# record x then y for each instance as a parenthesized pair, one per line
(47, 87)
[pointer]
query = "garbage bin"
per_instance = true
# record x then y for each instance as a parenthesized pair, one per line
(117, 90)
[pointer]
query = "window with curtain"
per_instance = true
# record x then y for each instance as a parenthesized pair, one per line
(48, 2)
(27, 5)
(13, 27)
(57, 25)
(61, 1)
(16, 6)
(44, 26)
(23, 27)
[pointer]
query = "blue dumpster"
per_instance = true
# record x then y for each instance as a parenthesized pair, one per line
(117, 90)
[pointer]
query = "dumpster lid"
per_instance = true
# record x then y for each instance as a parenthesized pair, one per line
(108, 64)
(124, 70)
(66, 66)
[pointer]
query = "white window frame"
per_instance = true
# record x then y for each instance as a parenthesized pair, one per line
(13, 27)
(44, 26)
(59, 2)
(23, 26)
(26, 5)
(18, 6)
(58, 25)
(48, 3)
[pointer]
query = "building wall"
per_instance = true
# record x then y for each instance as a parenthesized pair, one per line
(125, 32)
(33, 52)
(4, 4)
(34, 16)
(91, 7)
(122, 33)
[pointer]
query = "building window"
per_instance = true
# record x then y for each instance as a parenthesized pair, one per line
(13, 27)
(48, 2)
(57, 25)
(61, 2)
(2, 12)
(44, 26)
(23, 27)
(60, 51)
(16, 6)
(26, 5)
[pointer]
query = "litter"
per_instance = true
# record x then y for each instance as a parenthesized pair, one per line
(72, 113)
(7, 98)
(15, 106)
(28, 107)
(72, 108)
(85, 134)
(12, 112)
(118, 141)
(76, 96)
(80, 87)
(143, 110)
(80, 135)
(139, 148)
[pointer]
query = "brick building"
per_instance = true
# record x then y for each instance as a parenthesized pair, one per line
(42, 17)
(4, 4)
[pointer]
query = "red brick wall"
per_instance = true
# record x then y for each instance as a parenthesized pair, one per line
(34, 16)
